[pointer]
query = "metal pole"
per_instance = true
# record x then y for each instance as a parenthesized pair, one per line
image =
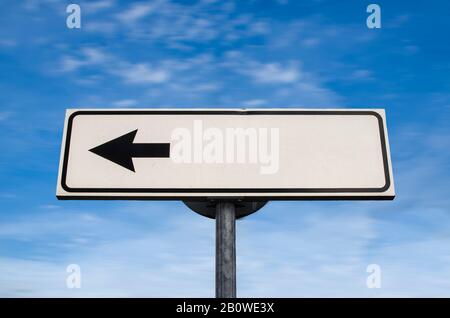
(225, 250)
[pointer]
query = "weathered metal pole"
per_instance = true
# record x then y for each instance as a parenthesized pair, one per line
(225, 250)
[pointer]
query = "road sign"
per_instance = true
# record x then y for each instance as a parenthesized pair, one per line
(225, 153)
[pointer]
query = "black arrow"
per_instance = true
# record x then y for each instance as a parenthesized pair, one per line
(122, 150)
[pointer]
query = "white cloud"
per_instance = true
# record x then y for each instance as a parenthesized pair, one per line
(8, 195)
(9, 43)
(105, 27)
(35, 4)
(50, 206)
(177, 24)
(95, 6)
(142, 73)
(131, 73)
(273, 73)
(361, 74)
(178, 262)
(398, 21)
(94, 55)
(89, 56)
(411, 49)
(311, 42)
(69, 64)
(137, 11)
(255, 102)
(141, 251)
(124, 103)
(308, 93)
(5, 115)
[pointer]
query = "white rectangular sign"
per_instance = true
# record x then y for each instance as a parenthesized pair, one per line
(210, 153)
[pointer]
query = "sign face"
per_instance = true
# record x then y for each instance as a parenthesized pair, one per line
(255, 154)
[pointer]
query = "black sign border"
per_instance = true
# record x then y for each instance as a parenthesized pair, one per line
(328, 191)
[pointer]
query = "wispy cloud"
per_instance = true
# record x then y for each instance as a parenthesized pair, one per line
(255, 102)
(328, 251)
(142, 74)
(273, 73)
(104, 27)
(89, 56)
(8, 43)
(398, 21)
(124, 103)
(5, 115)
(362, 74)
(137, 11)
(131, 73)
(98, 5)
(310, 42)
(177, 24)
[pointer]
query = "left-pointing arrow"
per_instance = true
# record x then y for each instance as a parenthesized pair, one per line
(122, 150)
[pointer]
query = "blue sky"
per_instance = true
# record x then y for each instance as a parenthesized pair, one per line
(165, 53)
